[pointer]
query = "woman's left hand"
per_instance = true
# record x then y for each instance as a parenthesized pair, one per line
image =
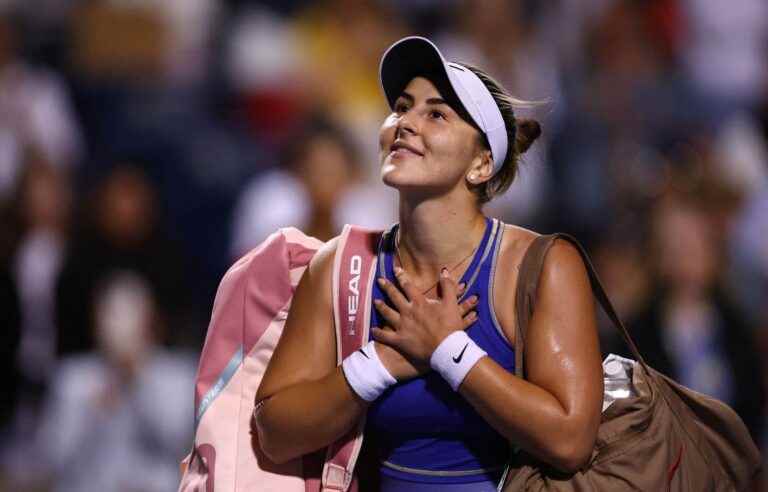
(417, 325)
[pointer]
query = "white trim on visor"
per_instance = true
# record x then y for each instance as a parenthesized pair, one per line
(474, 96)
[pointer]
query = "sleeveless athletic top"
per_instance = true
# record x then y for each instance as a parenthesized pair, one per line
(424, 431)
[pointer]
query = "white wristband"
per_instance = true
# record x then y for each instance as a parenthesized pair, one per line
(455, 356)
(366, 374)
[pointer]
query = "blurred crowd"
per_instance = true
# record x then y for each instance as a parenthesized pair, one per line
(146, 144)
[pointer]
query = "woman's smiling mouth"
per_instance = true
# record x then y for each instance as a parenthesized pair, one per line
(401, 149)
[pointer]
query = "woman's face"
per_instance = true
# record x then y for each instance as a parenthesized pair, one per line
(424, 143)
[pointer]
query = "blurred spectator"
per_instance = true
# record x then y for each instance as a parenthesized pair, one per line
(748, 255)
(118, 418)
(44, 204)
(37, 227)
(313, 191)
(749, 249)
(263, 68)
(619, 259)
(691, 329)
(164, 39)
(197, 154)
(113, 40)
(167, 38)
(35, 113)
(724, 51)
(121, 231)
(630, 103)
(190, 33)
(741, 155)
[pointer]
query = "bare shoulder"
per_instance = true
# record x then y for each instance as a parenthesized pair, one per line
(322, 263)
(564, 270)
(562, 256)
(515, 241)
(314, 293)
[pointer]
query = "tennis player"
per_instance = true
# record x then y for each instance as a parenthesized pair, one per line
(436, 382)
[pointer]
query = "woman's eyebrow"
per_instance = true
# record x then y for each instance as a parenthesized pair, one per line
(431, 100)
(436, 100)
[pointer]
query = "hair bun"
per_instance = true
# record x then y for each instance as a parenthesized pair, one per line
(527, 131)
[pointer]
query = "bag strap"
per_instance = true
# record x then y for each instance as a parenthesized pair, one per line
(353, 270)
(528, 282)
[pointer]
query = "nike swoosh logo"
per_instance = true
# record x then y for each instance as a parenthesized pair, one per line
(461, 354)
(363, 352)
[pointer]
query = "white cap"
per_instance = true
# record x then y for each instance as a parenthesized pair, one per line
(417, 56)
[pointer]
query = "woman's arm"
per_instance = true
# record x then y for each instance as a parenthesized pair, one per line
(308, 403)
(555, 413)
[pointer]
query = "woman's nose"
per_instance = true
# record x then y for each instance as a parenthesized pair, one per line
(405, 124)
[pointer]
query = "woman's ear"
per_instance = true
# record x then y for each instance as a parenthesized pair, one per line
(481, 169)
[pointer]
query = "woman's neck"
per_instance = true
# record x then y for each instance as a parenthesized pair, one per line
(436, 233)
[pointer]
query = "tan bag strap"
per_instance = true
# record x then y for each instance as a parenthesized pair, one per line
(528, 282)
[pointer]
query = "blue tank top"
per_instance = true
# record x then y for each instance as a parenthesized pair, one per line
(424, 431)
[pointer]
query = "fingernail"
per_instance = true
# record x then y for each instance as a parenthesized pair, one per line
(444, 272)
(473, 299)
(472, 315)
(462, 286)
(398, 270)
(381, 281)
(377, 301)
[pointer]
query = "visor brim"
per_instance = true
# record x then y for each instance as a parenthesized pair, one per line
(417, 57)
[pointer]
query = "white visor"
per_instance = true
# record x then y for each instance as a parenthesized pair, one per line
(417, 56)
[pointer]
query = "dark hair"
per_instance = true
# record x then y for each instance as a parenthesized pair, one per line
(521, 133)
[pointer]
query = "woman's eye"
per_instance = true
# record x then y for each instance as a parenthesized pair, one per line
(401, 108)
(436, 114)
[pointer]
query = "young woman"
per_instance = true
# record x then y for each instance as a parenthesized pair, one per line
(437, 380)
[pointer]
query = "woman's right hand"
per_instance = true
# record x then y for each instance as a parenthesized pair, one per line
(399, 366)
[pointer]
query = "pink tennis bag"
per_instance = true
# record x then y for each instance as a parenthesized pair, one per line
(249, 312)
